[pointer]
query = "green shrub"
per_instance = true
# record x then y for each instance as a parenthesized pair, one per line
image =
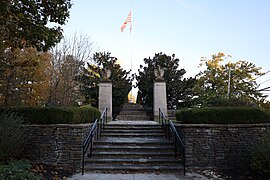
(85, 114)
(228, 103)
(89, 114)
(260, 158)
(17, 170)
(56, 115)
(52, 115)
(12, 136)
(223, 115)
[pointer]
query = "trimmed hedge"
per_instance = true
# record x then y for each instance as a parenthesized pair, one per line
(223, 115)
(55, 115)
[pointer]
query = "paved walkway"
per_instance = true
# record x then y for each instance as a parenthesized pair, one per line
(100, 176)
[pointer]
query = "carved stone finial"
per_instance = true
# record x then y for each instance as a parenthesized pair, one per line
(106, 74)
(159, 73)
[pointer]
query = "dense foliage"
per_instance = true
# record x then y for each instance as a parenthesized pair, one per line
(260, 157)
(26, 23)
(223, 115)
(32, 78)
(179, 89)
(24, 77)
(94, 73)
(28, 27)
(56, 115)
(213, 83)
(18, 170)
(12, 136)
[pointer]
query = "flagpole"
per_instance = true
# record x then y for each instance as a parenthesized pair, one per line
(131, 50)
(129, 20)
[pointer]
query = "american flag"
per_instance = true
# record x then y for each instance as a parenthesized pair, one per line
(128, 20)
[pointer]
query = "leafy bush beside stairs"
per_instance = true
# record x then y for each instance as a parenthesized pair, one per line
(55, 115)
(260, 157)
(223, 115)
(17, 170)
(11, 136)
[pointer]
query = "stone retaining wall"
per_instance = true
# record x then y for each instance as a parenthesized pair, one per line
(223, 147)
(57, 145)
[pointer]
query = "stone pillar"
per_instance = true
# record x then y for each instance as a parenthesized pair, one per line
(105, 98)
(160, 98)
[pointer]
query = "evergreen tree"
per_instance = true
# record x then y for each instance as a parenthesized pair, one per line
(92, 75)
(179, 89)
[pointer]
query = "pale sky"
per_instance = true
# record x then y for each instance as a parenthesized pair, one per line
(190, 29)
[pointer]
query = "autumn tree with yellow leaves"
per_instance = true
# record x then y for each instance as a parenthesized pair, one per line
(221, 81)
(24, 77)
(25, 38)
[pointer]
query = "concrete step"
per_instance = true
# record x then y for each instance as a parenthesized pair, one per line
(130, 161)
(133, 125)
(133, 168)
(132, 113)
(131, 130)
(133, 135)
(146, 148)
(132, 108)
(140, 141)
(132, 117)
(132, 154)
(130, 105)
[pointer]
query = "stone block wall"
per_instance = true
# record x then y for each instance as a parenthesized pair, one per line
(57, 145)
(223, 147)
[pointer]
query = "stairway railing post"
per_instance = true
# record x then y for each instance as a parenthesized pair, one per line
(175, 147)
(96, 134)
(91, 149)
(159, 115)
(100, 127)
(169, 133)
(106, 116)
(83, 161)
(184, 161)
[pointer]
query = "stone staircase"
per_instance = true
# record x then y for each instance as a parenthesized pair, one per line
(132, 112)
(133, 145)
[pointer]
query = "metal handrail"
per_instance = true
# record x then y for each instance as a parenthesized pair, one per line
(103, 120)
(95, 131)
(170, 129)
(181, 146)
